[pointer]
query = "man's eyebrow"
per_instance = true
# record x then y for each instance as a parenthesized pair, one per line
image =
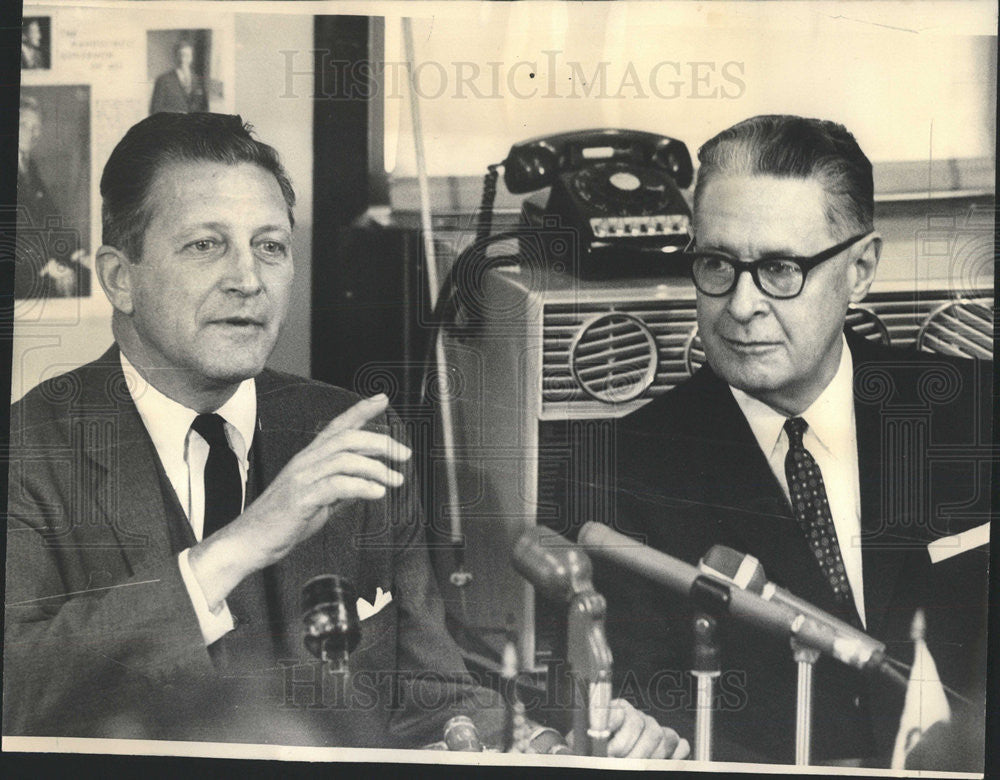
(269, 228)
(771, 253)
(221, 227)
(184, 230)
(765, 255)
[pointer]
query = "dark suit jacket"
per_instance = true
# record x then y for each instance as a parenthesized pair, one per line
(690, 474)
(169, 95)
(102, 640)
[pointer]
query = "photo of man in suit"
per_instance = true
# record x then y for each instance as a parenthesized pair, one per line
(169, 500)
(808, 448)
(180, 89)
(49, 258)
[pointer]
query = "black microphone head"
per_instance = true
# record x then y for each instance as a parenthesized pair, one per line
(741, 569)
(330, 614)
(552, 563)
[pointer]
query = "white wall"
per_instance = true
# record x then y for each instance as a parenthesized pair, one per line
(913, 81)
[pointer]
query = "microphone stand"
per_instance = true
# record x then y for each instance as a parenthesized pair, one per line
(706, 670)
(805, 659)
(712, 597)
(590, 660)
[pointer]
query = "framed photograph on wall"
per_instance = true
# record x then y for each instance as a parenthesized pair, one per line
(53, 193)
(93, 78)
(179, 67)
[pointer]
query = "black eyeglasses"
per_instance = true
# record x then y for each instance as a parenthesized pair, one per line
(716, 272)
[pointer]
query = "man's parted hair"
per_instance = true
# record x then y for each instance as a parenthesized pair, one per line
(160, 140)
(787, 146)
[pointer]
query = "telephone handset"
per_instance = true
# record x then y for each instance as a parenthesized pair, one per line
(535, 163)
(618, 189)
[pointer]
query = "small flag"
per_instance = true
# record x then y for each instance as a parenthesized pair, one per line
(925, 703)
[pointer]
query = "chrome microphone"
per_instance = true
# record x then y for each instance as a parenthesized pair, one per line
(685, 580)
(553, 564)
(850, 645)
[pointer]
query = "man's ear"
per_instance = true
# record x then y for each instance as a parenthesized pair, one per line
(864, 267)
(114, 269)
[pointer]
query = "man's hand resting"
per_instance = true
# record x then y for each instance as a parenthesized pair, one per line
(340, 464)
(635, 735)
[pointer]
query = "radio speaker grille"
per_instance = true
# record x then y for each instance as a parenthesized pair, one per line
(622, 350)
(614, 358)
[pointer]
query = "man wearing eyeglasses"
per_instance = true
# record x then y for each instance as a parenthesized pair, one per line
(806, 447)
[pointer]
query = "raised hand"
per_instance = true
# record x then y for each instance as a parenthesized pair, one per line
(344, 462)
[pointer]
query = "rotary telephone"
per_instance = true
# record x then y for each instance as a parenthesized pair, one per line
(619, 190)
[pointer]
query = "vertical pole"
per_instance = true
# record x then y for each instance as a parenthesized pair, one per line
(706, 669)
(805, 658)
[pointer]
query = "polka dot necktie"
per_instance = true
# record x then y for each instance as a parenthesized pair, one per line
(812, 510)
(223, 484)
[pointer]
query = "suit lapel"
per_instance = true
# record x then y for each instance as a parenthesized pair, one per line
(734, 481)
(279, 437)
(748, 484)
(120, 463)
(284, 428)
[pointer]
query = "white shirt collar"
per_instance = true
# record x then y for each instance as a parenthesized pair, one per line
(169, 422)
(830, 416)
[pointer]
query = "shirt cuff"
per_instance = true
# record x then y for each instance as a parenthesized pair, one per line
(214, 625)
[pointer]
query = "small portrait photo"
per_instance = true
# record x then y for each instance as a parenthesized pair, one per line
(51, 258)
(35, 43)
(178, 63)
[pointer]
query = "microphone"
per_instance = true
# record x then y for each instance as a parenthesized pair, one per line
(553, 564)
(687, 581)
(850, 645)
(330, 614)
(461, 734)
(547, 741)
(562, 571)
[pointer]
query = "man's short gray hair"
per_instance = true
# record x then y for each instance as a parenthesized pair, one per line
(795, 147)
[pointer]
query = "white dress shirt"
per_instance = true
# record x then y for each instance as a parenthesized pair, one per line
(183, 453)
(831, 438)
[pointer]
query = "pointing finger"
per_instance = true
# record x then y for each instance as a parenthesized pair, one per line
(356, 416)
(369, 443)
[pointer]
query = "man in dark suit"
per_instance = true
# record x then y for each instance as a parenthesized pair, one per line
(48, 253)
(833, 461)
(169, 501)
(181, 89)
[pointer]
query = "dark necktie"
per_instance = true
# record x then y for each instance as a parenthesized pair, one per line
(812, 510)
(223, 485)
